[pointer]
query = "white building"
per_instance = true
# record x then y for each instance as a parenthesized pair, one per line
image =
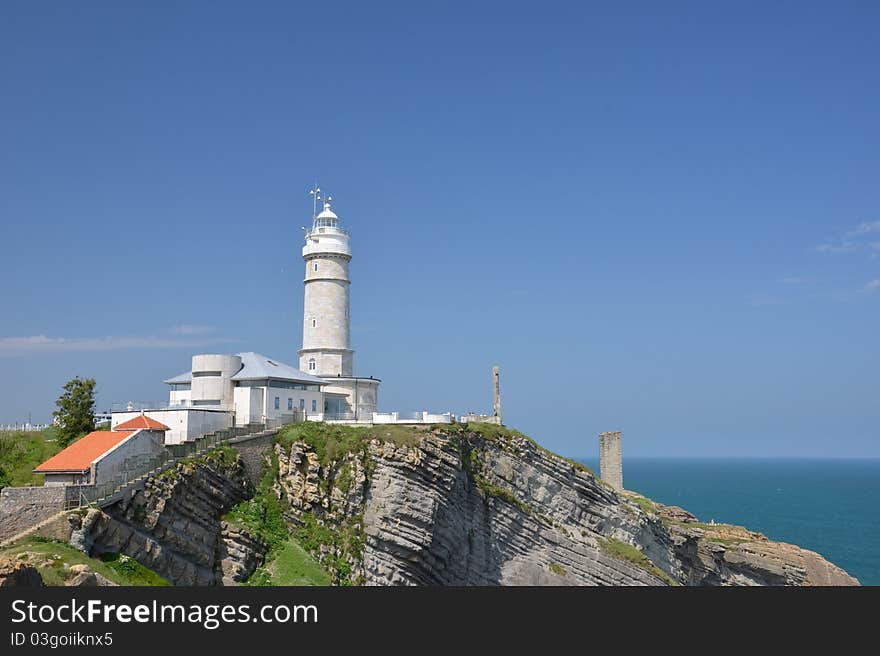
(101, 456)
(221, 391)
(326, 349)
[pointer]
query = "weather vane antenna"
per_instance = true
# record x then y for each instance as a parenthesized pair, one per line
(315, 193)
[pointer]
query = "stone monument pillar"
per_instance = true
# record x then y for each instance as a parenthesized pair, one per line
(496, 394)
(611, 459)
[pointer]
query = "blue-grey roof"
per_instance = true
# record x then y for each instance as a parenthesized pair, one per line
(255, 366)
(185, 377)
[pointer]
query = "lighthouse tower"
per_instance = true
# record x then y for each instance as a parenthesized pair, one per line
(326, 348)
(326, 336)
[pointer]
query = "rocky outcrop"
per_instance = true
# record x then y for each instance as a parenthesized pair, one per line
(720, 554)
(239, 553)
(83, 576)
(461, 507)
(17, 572)
(173, 524)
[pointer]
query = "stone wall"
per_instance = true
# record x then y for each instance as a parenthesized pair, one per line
(22, 507)
(253, 452)
(611, 459)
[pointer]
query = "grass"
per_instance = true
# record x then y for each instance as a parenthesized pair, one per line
(629, 553)
(504, 494)
(119, 569)
(496, 432)
(132, 571)
(21, 451)
(645, 505)
(263, 514)
(558, 569)
(292, 565)
(345, 542)
(332, 441)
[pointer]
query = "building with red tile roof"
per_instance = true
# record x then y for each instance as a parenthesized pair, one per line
(141, 421)
(102, 455)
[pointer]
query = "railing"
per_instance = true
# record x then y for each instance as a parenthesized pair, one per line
(137, 406)
(339, 416)
(423, 417)
(138, 468)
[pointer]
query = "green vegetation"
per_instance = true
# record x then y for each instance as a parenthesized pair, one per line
(76, 410)
(343, 478)
(262, 515)
(21, 451)
(292, 565)
(623, 551)
(286, 562)
(346, 543)
(220, 456)
(504, 494)
(493, 432)
(487, 489)
(132, 571)
(558, 569)
(332, 442)
(496, 433)
(53, 560)
(646, 505)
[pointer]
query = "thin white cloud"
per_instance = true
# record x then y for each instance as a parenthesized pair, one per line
(873, 287)
(866, 228)
(852, 240)
(37, 344)
(795, 280)
(191, 329)
(840, 247)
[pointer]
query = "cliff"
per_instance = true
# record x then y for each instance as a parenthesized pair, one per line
(443, 505)
(173, 525)
(488, 506)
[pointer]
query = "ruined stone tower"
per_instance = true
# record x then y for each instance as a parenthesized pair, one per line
(611, 459)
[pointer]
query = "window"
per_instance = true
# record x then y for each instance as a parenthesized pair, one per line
(201, 374)
(315, 266)
(290, 404)
(314, 405)
(314, 323)
(302, 404)
(311, 364)
(207, 402)
(277, 402)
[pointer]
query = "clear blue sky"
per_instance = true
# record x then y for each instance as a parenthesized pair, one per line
(662, 218)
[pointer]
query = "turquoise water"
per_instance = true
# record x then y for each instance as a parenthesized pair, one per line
(828, 506)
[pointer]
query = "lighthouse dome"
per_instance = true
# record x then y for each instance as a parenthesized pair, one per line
(327, 213)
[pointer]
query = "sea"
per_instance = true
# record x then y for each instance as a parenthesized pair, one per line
(828, 506)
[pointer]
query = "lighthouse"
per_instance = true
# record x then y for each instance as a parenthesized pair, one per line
(326, 347)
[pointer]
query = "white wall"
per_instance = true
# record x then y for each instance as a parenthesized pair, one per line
(248, 405)
(363, 395)
(179, 397)
(214, 388)
(186, 424)
(295, 394)
(144, 444)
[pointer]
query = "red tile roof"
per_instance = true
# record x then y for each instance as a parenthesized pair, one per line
(80, 455)
(141, 421)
